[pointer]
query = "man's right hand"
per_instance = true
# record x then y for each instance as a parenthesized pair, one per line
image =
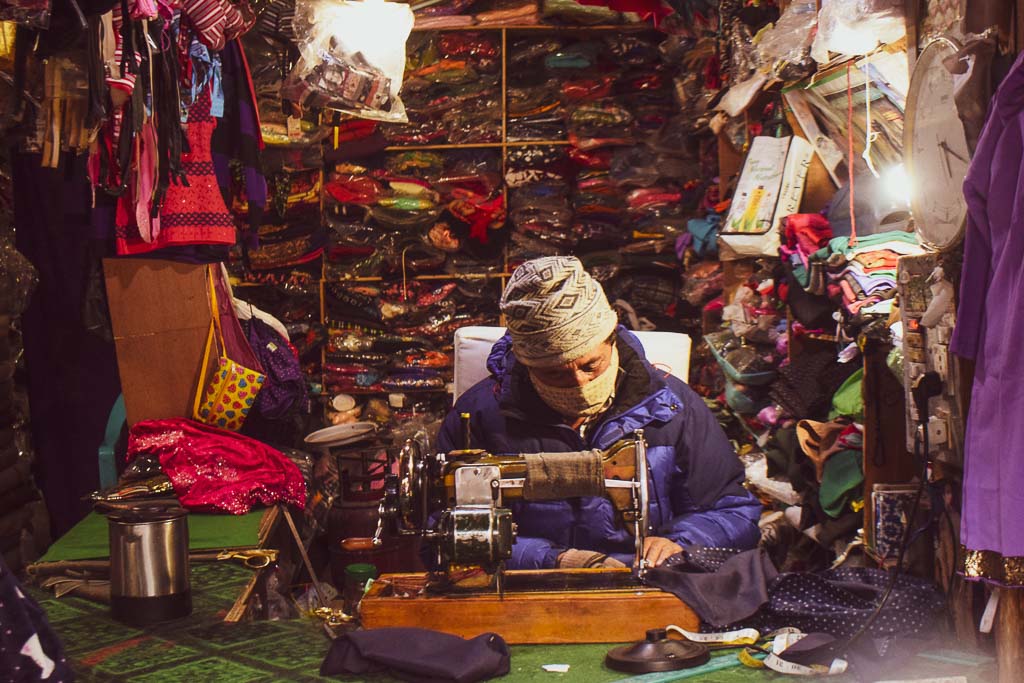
(586, 559)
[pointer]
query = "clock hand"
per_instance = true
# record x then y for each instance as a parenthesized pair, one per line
(946, 148)
(945, 163)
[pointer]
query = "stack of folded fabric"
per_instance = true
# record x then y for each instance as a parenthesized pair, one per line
(451, 90)
(414, 215)
(397, 337)
(836, 450)
(509, 13)
(861, 273)
(539, 209)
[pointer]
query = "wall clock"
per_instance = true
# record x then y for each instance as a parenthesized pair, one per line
(935, 149)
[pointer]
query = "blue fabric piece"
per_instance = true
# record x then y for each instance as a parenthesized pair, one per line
(696, 492)
(705, 234)
(206, 71)
(217, 89)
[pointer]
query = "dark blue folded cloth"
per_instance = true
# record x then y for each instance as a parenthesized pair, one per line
(29, 649)
(418, 654)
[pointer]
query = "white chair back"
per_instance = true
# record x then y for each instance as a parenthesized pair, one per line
(669, 351)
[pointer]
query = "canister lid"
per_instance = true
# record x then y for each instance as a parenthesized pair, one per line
(142, 513)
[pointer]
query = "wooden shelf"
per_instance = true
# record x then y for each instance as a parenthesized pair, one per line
(385, 392)
(438, 276)
(475, 145)
(427, 148)
(537, 27)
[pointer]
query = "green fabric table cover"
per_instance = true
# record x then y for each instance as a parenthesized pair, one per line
(88, 539)
(203, 648)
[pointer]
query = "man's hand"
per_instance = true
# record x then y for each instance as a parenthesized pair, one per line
(586, 559)
(658, 549)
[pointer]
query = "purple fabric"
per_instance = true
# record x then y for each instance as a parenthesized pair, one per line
(237, 134)
(284, 384)
(990, 318)
(236, 344)
(869, 283)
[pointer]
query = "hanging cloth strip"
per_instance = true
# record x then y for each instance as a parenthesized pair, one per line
(850, 168)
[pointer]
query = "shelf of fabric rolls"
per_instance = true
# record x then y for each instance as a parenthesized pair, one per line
(498, 136)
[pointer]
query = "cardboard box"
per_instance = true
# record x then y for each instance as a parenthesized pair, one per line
(160, 312)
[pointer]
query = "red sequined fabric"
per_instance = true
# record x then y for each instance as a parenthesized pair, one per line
(214, 470)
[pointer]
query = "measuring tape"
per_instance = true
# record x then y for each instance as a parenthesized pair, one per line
(760, 657)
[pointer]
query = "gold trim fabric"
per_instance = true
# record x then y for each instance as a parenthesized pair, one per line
(992, 566)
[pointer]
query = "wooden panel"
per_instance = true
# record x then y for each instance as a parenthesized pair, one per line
(980, 15)
(912, 11)
(608, 616)
(730, 163)
(1018, 26)
(818, 187)
(1008, 628)
(886, 460)
(160, 315)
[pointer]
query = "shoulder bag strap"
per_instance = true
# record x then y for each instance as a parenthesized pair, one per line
(215, 332)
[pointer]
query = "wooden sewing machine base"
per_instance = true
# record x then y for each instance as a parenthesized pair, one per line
(539, 606)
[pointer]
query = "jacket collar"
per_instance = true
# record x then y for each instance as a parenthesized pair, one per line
(644, 395)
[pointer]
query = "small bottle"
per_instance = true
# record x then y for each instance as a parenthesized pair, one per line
(356, 576)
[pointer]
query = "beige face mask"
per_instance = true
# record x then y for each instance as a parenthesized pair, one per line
(583, 401)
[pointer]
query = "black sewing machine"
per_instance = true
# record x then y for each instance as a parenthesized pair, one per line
(457, 501)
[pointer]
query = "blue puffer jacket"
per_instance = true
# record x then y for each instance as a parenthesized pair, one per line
(696, 493)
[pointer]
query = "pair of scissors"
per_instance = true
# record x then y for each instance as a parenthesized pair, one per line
(253, 558)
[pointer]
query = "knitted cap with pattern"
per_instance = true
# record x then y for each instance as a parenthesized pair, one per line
(555, 312)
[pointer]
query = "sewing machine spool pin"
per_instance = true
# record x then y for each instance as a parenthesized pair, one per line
(641, 494)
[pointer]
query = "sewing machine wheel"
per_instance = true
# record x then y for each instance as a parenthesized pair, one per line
(412, 486)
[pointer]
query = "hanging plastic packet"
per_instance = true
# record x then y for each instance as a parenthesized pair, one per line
(352, 57)
(31, 13)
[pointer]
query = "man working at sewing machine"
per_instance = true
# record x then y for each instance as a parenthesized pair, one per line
(567, 377)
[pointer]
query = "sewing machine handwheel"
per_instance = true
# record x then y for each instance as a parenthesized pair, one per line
(356, 544)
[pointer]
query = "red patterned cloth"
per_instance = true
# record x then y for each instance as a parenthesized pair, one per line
(192, 214)
(214, 470)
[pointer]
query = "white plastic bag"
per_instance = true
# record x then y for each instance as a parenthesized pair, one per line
(352, 57)
(856, 27)
(792, 34)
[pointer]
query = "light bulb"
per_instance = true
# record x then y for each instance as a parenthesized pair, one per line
(897, 184)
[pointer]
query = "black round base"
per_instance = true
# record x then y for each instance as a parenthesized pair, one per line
(147, 611)
(657, 653)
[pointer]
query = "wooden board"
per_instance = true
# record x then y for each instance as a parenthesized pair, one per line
(583, 616)
(886, 460)
(161, 315)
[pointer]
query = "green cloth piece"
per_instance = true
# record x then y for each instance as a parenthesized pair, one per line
(841, 479)
(848, 401)
(802, 275)
(89, 539)
(842, 244)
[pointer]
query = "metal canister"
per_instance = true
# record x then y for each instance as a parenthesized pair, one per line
(149, 569)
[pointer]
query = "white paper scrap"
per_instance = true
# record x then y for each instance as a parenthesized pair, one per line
(556, 668)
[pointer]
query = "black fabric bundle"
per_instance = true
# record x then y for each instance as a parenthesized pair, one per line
(721, 587)
(417, 654)
(730, 589)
